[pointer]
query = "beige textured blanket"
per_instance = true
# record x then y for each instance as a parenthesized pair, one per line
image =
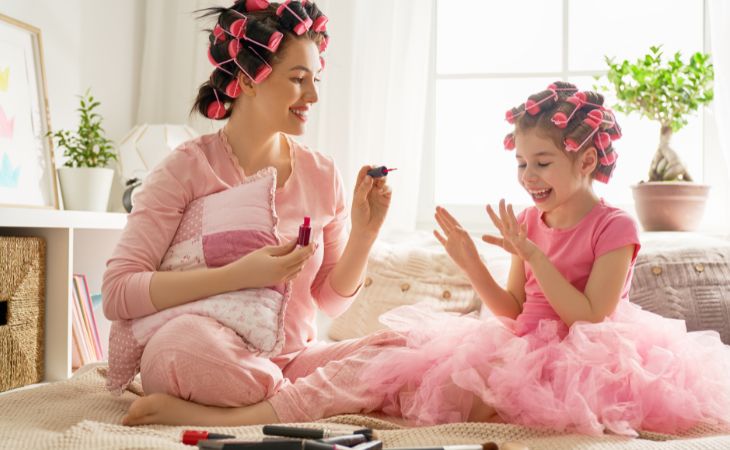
(80, 414)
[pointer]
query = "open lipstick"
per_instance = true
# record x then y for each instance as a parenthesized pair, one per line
(191, 437)
(305, 230)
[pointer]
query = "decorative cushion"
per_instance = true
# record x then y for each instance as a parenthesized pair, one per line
(215, 230)
(416, 269)
(688, 281)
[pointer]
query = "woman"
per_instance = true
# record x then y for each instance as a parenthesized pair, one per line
(267, 59)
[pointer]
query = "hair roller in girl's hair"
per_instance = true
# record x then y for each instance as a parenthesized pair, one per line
(568, 109)
(509, 142)
(532, 105)
(512, 115)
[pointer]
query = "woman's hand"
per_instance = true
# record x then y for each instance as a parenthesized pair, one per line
(456, 240)
(514, 236)
(270, 265)
(370, 204)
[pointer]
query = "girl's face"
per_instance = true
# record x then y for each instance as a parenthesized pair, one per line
(548, 174)
(284, 99)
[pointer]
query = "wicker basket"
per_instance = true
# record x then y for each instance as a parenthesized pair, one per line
(22, 293)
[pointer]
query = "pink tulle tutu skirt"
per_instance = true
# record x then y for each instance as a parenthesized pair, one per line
(633, 371)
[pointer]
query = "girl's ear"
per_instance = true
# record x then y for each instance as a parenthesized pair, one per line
(588, 161)
(247, 87)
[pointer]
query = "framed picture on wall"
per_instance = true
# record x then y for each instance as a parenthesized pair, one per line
(27, 167)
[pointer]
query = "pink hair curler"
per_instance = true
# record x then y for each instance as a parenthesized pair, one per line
(560, 119)
(533, 107)
(509, 142)
(256, 5)
(323, 45)
(288, 15)
(233, 89)
(216, 110)
(573, 146)
(320, 24)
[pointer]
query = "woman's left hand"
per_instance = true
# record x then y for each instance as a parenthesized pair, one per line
(514, 236)
(370, 204)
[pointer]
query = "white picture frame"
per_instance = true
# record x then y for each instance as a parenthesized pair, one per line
(27, 164)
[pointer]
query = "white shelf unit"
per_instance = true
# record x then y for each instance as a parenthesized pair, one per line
(76, 242)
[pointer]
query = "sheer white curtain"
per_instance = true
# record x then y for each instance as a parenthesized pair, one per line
(174, 62)
(719, 14)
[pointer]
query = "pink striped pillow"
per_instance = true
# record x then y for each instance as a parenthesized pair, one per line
(215, 230)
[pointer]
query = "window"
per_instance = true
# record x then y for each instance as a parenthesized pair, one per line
(491, 55)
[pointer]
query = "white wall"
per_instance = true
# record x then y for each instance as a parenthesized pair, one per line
(88, 44)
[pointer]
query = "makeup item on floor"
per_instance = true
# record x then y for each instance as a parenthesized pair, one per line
(484, 446)
(304, 231)
(243, 444)
(191, 437)
(381, 171)
(274, 444)
(370, 445)
(348, 440)
(312, 433)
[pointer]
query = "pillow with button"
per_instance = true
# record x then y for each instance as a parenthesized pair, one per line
(689, 283)
(413, 269)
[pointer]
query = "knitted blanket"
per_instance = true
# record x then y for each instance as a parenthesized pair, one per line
(80, 413)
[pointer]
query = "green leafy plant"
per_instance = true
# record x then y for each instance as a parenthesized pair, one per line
(664, 91)
(87, 146)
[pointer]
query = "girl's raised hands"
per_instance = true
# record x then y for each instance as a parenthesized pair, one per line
(514, 236)
(456, 240)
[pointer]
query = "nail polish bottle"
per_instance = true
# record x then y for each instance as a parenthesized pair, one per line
(304, 231)
(381, 171)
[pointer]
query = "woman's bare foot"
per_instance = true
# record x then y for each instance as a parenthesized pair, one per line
(165, 409)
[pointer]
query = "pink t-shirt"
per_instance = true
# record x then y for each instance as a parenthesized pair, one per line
(207, 165)
(573, 251)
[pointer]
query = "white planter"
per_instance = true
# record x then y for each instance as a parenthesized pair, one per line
(84, 188)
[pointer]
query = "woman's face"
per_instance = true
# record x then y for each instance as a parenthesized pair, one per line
(284, 99)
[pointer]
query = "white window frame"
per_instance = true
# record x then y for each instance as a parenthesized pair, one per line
(475, 219)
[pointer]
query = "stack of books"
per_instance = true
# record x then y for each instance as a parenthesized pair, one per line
(87, 346)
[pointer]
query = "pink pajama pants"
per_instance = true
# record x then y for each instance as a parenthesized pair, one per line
(198, 359)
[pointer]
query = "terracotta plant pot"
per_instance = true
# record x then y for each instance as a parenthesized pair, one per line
(670, 205)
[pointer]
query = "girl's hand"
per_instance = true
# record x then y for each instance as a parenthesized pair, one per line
(270, 265)
(370, 204)
(514, 236)
(456, 240)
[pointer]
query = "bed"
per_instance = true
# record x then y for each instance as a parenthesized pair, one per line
(694, 271)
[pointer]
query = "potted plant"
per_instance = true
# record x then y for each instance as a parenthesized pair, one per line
(85, 179)
(667, 92)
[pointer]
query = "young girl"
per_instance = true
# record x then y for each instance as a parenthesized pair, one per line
(267, 63)
(566, 350)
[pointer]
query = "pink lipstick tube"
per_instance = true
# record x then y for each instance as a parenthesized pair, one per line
(304, 232)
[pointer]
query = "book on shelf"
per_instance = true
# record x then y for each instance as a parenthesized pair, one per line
(87, 340)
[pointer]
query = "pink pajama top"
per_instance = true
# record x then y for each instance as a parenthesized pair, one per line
(207, 165)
